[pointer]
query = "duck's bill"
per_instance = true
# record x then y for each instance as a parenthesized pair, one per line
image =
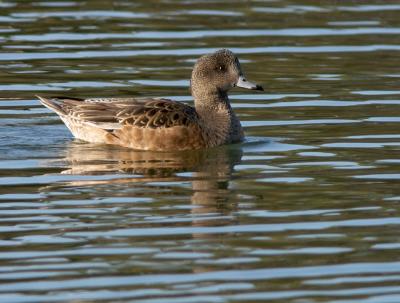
(243, 83)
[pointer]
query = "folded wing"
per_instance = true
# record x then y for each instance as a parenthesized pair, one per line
(157, 124)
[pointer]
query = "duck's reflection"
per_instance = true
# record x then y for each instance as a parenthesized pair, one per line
(209, 171)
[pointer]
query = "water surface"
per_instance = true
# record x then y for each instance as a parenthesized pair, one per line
(306, 210)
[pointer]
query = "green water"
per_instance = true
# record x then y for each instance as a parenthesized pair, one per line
(306, 210)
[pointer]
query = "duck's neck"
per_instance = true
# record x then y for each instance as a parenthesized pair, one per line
(218, 117)
(211, 101)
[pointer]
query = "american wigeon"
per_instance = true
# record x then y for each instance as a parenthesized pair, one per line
(161, 124)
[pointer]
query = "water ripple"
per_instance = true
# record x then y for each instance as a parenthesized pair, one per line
(306, 209)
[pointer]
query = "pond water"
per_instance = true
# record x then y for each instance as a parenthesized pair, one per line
(306, 210)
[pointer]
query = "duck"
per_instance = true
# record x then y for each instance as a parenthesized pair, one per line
(159, 124)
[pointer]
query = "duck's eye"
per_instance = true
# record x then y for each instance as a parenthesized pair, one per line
(221, 68)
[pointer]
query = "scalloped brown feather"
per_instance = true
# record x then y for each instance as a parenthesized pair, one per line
(147, 124)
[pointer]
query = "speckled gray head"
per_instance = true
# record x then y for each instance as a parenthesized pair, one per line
(217, 73)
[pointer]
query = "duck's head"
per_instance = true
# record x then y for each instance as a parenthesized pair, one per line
(218, 73)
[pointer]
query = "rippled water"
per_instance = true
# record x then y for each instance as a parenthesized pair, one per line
(306, 210)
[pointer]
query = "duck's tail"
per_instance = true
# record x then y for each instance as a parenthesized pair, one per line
(52, 105)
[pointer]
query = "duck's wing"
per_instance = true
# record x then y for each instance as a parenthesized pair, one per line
(138, 112)
(146, 124)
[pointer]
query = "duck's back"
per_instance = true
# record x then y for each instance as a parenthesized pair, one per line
(143, 124)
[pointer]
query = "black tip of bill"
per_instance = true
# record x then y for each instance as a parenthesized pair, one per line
(259, 87)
